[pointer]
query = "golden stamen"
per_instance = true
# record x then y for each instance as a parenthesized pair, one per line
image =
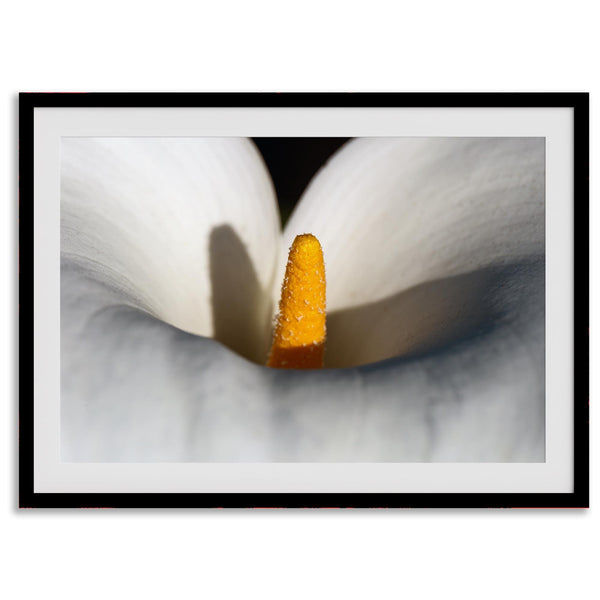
(299, 337)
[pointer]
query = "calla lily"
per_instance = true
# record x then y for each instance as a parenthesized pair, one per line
(172, 262)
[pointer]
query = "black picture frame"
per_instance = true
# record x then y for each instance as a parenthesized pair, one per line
(578, 498)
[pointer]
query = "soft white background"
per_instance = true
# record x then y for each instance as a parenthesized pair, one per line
(308, 46)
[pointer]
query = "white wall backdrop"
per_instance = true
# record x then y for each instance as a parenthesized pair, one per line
(274, 46)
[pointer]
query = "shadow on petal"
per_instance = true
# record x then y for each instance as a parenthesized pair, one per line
(308, 356)
(241, 308)
(425, 318)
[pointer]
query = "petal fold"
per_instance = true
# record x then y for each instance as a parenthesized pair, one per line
(414, 232)
(184, 228)
(392, 213)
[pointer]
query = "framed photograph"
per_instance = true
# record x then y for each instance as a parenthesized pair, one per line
(303, 300)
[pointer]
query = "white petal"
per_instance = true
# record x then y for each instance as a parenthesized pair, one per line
(415, 233)
(392, 213)
(184, 228)
(136, 389)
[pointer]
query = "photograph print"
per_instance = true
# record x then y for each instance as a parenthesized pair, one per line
(302, 300)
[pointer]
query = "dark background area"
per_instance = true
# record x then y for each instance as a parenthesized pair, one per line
(292, 163)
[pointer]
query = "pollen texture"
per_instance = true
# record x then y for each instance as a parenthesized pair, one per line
(299, 337)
